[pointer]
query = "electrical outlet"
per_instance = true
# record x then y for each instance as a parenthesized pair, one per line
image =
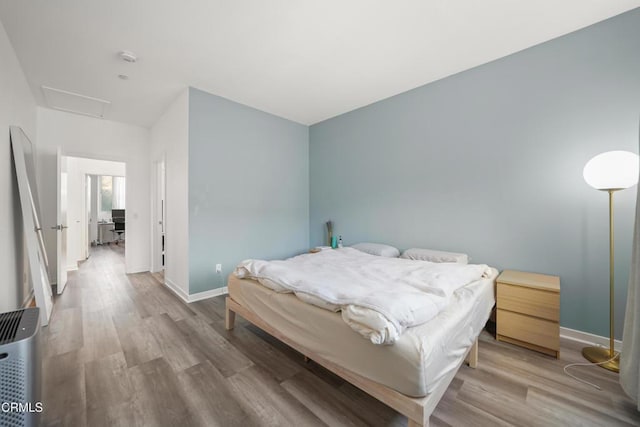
(218, 268)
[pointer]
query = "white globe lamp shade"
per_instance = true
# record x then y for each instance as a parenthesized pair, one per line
(613, 170)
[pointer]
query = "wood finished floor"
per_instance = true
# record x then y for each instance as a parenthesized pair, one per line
(123, 350)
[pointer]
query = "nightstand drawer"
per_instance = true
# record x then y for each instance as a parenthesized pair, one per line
(534, 302)
(540, 332)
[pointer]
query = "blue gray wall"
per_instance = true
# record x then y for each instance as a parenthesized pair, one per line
(248, 187)
(489, 162)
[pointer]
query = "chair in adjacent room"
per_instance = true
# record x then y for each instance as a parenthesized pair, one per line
(119, 226)
(118, 218)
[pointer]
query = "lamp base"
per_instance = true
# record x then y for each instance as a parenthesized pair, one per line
(601, 354)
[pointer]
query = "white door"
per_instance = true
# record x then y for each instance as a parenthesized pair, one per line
(61, 221)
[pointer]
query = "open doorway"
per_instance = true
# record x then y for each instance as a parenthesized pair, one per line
(95, 208)
(106, 210)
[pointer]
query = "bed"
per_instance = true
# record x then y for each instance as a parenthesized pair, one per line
(410, 376)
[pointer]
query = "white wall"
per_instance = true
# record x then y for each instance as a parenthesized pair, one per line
(17, 107)
(170, 140)
(77, 170)
(82, 136)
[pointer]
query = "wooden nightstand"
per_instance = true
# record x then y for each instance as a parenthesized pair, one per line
(529, 311)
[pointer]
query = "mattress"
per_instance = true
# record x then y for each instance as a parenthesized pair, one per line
(413, 366)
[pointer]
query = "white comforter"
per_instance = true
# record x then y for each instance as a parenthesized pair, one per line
(379, 297)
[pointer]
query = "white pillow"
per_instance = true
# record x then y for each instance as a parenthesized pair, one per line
(377, 249)
(435, 256)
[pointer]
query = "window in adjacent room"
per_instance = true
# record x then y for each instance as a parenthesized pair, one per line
(112, 194)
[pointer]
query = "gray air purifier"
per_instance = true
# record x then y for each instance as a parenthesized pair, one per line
(20, 362)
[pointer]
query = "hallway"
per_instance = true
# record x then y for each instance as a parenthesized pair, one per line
(102, 325)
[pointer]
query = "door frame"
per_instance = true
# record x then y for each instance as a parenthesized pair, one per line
(79, 154)
(87, 210)
(61, 226)
(158, 213)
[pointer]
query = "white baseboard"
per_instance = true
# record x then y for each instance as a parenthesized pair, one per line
(176, 290)
(72, 267)
(587, 338)
(188, 298)
(138, 269)
(208, 294)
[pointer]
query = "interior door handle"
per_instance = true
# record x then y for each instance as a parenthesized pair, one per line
(59, 227)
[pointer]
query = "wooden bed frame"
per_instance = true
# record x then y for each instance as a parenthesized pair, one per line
(416, 409)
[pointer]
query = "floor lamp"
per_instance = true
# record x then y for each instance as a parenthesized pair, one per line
(611, 171)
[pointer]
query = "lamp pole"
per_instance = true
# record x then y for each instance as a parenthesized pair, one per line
(611, 276)
(610, 172)
(607, 358)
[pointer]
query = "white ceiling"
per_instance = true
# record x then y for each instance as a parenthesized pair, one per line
(303, 60)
